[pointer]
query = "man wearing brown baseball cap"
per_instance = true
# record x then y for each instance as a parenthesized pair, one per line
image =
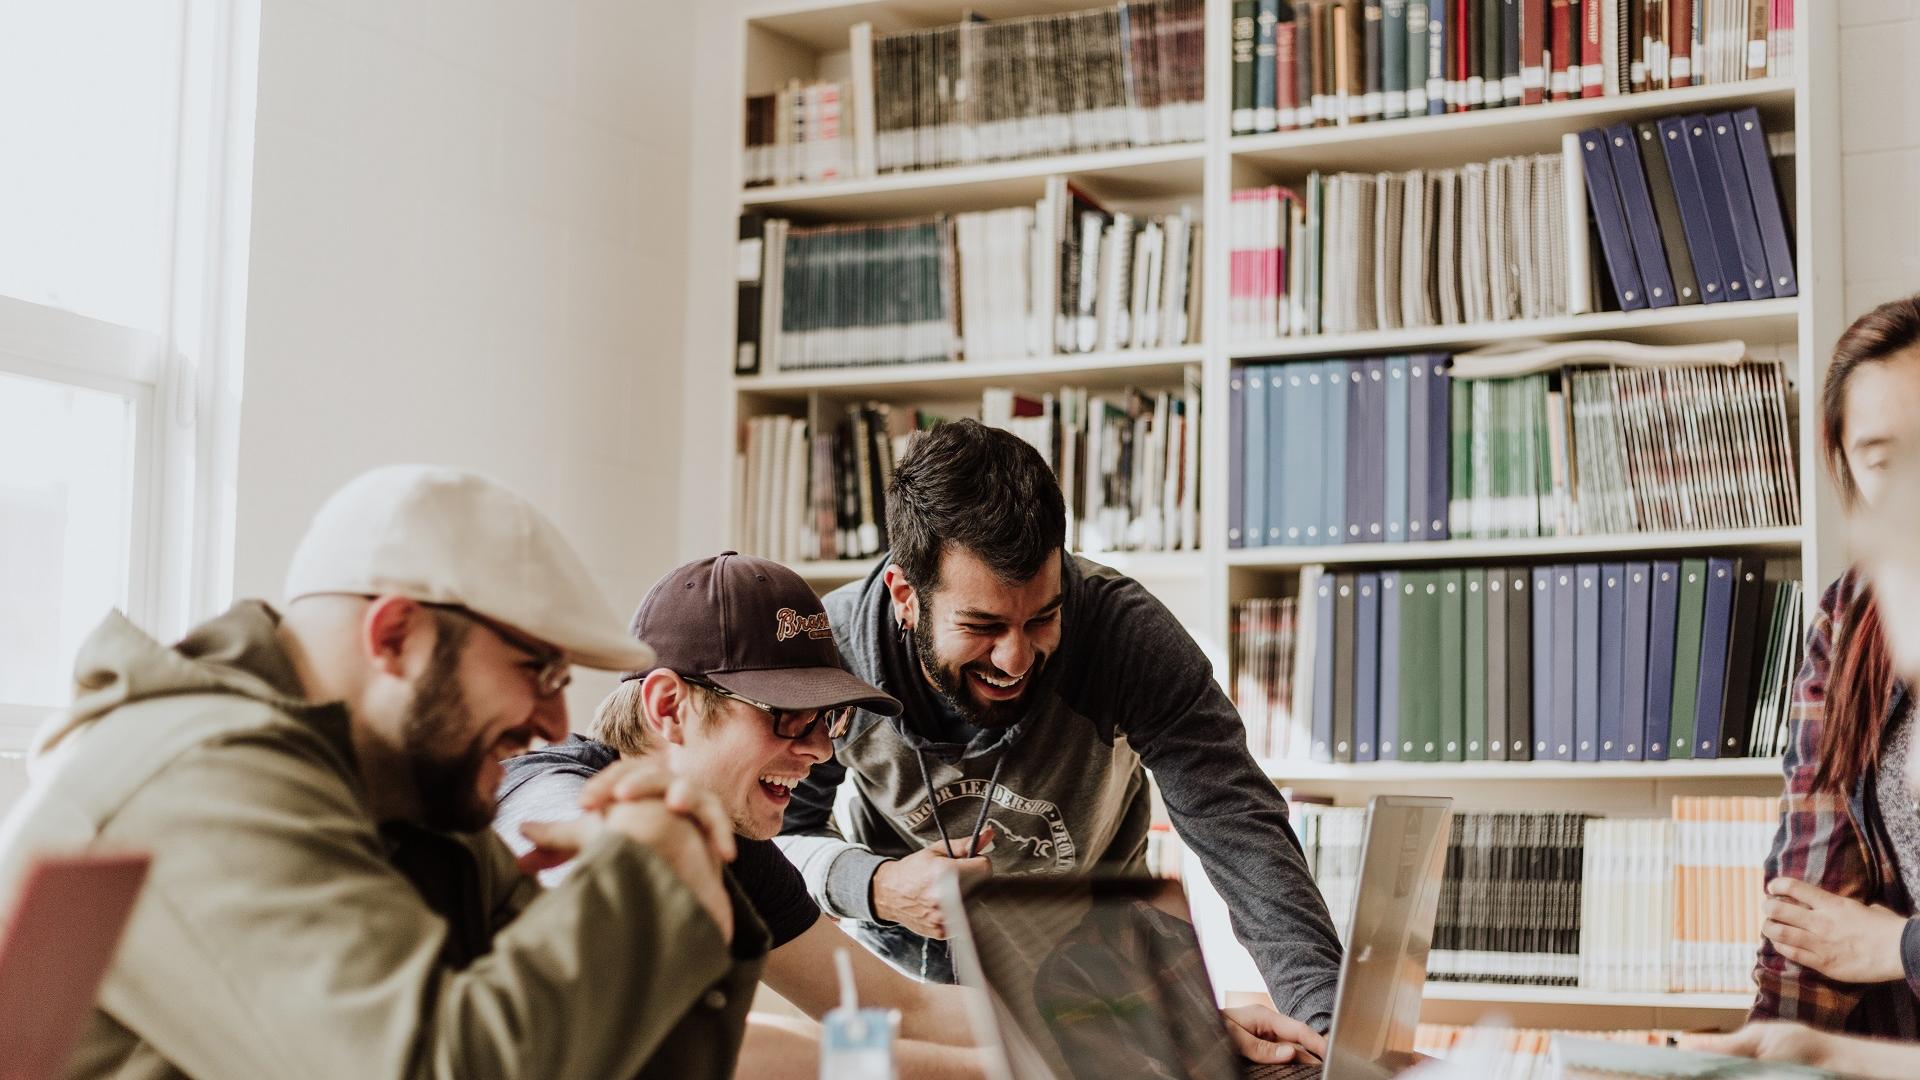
(746, 696)
(314, 784)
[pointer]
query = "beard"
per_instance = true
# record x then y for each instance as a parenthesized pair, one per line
(446, 783)
(950, 682)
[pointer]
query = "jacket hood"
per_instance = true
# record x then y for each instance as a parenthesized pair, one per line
(237, 653)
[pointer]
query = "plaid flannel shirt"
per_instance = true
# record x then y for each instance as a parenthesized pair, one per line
(1838, 843)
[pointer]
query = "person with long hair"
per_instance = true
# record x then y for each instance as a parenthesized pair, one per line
(1840, 948)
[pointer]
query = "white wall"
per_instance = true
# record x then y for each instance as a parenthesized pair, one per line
(1880, 146)
(469, 247)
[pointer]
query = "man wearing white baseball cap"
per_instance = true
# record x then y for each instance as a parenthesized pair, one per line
(315, 784)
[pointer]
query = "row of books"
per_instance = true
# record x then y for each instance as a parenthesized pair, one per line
(1486, 242)
(1545, 898)
(1518, 1053)
(1687, 210)
(1618, 661)
(980, 90)
(807, 491)
(1066, 275)
(1128, 462)
(1704, 864)
(1311, 63)
(798, 135)
(1403, 449)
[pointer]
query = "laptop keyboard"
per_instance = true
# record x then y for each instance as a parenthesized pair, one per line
(1289, 1070)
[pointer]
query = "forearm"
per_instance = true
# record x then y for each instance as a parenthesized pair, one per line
(1879, 1059)
(939, 1015)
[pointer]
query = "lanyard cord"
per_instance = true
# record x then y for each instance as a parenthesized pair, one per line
(986, 804)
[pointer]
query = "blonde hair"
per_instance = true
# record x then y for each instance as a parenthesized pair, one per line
(621, 720)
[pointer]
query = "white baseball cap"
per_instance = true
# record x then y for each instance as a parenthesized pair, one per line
(446, 536)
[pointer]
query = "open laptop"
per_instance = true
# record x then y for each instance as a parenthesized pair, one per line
(55, 945)
(1089, 978)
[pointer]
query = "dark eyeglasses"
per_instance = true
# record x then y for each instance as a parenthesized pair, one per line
(786, 723)
(556, 669)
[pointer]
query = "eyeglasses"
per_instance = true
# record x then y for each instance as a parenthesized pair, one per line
(555, 669)
(786, 723)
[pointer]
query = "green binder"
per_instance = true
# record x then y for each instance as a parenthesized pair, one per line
(1419, 726)
(1450, 634)
(1686, 656)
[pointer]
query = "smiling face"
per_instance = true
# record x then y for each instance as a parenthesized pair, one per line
(730, 748)
(982, 642)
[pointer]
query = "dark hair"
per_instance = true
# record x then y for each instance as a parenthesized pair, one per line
(980, 488)
(1860, 681)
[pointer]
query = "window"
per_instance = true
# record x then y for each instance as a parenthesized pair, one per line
(123, 205)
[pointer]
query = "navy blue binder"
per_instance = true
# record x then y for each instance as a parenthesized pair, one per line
(1520, 666)
(1735, 266)
(1395, 531)
(1746, 223)
(1366, 667)
(1716, 621)
(1283, 470)
(1630, 179)
(1565, 591)
(1663, 617)
(1586, 662)
(1333, 508)
(1345, 648)
(1371, 438)
(1304, 453)
(1766, 201)
(1439, 442)
(1613, 621)
(1324, 634)
(1702, 245)
(1543, 664)
(1387, 738)
(1603, 197)
(1236, 458)
(1637, 591)
(1253, 521)
(1360, 441)
(1417, 416)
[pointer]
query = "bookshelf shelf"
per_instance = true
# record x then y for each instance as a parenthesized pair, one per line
(1752, 320)
(1281, 558)
(1573, 996)
(1151, 565)
(1455, 138)
(1041, 372)
(1522, 771)
(1145, 172)
(822, 25)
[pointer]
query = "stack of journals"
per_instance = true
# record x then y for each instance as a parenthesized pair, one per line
(1636, 661)
(1065, 275)
(1306, 63)
(1128, 462)
(797, 135)
(1402, 448)
(1687, 210)
(1352, 252)
(1562, 899)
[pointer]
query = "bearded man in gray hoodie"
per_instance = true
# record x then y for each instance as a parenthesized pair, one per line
(1039, 687)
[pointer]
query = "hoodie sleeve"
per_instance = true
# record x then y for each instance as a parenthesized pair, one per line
(1186, 731)
(273, 939)
(839, 873)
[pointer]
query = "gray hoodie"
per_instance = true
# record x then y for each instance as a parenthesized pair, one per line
(1128, 690)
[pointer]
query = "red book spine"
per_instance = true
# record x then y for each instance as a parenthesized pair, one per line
(1286, 74)
(1534, 61)
(1561, 83)
(1679, 43)
(1457, 32)
(1590, 49)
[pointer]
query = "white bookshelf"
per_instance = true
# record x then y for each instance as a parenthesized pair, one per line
(779, 39)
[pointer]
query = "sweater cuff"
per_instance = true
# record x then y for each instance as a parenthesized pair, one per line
(1910, 953)
(850, 884)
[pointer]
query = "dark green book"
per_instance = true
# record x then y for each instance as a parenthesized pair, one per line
(1452, 661)
(1243, 32)
(1686, 656)
(1473, 674)
(1419, 609)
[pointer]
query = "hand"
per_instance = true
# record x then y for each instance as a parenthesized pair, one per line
(1263, 1034)
(907, 891)
(1772, 1040)
(671, 836)
(1838, 937)
(639, 779)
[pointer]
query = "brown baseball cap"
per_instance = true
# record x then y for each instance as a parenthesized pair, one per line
(753, 627)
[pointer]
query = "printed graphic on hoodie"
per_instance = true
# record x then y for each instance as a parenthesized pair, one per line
(1026, 829)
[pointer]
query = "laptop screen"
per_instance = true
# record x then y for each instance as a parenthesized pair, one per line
(1101, 978)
